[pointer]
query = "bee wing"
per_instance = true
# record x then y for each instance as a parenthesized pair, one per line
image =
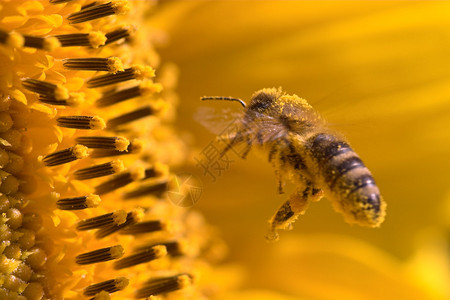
(217, 120)
(266, 128)
(227, 123)
(238, 131)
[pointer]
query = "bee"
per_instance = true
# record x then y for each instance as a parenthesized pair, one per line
(302, 149)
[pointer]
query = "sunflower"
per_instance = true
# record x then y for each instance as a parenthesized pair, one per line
(93, 151)
(86, 146)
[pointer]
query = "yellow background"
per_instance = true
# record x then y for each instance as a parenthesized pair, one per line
(379, 73)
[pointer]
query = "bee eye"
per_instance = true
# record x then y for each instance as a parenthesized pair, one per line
(260, 106)
(261, 102)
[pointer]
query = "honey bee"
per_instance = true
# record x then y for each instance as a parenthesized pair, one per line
(302, 149)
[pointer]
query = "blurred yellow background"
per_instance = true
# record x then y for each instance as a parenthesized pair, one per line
(379, 72)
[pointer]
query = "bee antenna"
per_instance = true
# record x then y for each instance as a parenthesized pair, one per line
(224, 98)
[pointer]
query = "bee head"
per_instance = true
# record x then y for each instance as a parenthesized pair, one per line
(274, 103)
(265, 100)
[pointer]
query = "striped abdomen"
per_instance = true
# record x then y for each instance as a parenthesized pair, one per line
(347, 181)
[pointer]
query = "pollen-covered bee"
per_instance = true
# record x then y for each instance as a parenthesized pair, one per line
(302, 149)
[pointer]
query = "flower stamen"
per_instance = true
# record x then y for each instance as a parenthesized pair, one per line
(65, 156)
(109, 168)
(136, 146)
(145, 227)
(44, 43)
(118, 143)
(46, 89)
(110, 286)
(131, 116)
(126, 94)
(78, 203)
(154, 188)
(93, 39)
(124, 179)
(132, 218)
(141, 257)
(115, 218)
(156, 171)
(92, 12)
(164, 285)
(59, 1)
(119, 181)
(12, 39)
(174, 248)
(110, 64)
(100, 255)
(137, 72)
(118, 34)
(75, 99)
(81, 122)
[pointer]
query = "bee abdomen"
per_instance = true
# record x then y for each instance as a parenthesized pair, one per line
(347, 171)
(324, 147)
(347, 178)
(339, 165)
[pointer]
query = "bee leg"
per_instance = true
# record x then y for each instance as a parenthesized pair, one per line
(316, 194)
(259, 138)
(280, 182)
(280, 165)
(249, 147)
(238, 138)
(290, 210)
(277, 166)
(272, 152)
